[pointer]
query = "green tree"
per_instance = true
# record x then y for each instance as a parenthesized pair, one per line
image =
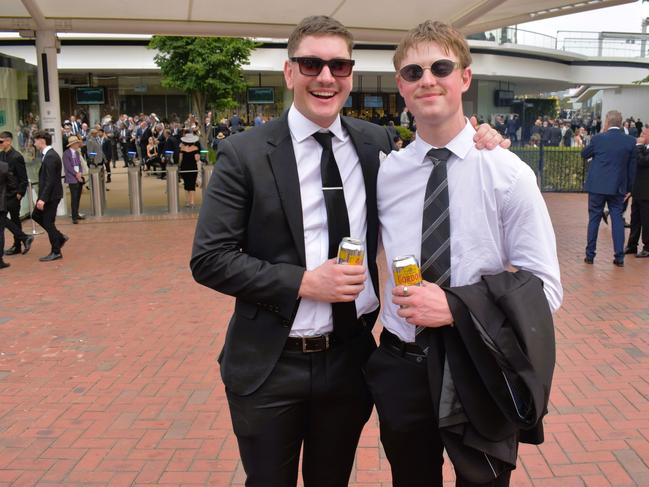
(207, 68)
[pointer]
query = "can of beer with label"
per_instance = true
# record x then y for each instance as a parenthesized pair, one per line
(406, 271)
(351, 251)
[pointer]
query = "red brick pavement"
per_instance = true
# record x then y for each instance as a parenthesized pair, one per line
(108, 372)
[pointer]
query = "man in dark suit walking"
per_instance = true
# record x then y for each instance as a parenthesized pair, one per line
(4, 178)
(50, 192)
(609, 180)
(16, 189)
(640, 201)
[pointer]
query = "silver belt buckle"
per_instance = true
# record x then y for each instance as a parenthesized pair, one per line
(306, 349)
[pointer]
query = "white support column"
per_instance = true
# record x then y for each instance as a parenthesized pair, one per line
(48, 92)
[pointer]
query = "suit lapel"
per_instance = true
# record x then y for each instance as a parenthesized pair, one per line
(368, 155)
(284, 167)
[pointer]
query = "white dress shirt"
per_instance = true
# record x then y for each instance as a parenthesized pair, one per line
(45, 150)
(498, 217)
(314, 317)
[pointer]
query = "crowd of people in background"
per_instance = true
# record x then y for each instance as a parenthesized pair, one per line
(575, 131)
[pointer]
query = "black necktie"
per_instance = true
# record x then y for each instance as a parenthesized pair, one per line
(344, 314)
(435, 226)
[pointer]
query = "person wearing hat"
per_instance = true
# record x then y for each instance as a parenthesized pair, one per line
(217, 140)
(190, 165)
(73, 167)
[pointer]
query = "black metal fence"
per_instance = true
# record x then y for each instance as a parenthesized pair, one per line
(558, 169)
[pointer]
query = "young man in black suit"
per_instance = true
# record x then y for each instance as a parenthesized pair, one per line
(640, 200)
(50, 192)
(16, 189)
(4, 177)
(281, 198)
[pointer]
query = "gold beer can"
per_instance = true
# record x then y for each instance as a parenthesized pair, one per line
(351, 251)
(406, 271)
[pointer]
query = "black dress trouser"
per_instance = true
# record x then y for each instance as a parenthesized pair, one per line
(46, 219)
(13, 207)
(75, 197)
(318, 400)
(639, 224)
(409, 434)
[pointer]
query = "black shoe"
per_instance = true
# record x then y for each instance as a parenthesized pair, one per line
(642, 255)
(81, 216)
(64, 240)
(588, 260)
(51, 257)
(27, 243)
(75, 221)
(605, 216)
(12, 250)
(619, 263)
(630, 250)
(3, 264)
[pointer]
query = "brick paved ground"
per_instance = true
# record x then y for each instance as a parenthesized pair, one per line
(108, 372)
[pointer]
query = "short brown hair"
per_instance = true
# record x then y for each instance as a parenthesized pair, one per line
(447, 37)
(42, 134)
(318, 25)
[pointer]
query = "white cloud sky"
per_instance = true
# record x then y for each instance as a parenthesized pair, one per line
(621, 18)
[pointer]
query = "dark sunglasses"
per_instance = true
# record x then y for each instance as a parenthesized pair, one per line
(312, 66)
(440, 69)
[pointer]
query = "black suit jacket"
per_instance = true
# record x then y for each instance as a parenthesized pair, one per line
(249, 240)
(640, 189)
(499, 366)
(50, 187)
(17, 171)
(4, 177)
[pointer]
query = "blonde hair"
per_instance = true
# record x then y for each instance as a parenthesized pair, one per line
(447, 37)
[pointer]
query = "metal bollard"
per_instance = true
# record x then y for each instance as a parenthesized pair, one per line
(173, 202)
(135, 190)
(97, 191)
(207, 174)
(30, 199)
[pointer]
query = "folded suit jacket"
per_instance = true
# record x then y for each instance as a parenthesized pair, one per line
(500, 357)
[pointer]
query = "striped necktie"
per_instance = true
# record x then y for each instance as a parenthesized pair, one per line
(435, 227)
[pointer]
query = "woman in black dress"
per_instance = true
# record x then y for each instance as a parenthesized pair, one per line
(190, 157)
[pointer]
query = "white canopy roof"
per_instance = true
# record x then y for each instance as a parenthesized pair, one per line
(369, 20)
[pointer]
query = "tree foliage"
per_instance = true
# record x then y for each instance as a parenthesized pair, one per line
(207, 68)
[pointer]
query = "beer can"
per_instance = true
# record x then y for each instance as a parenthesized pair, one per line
(351, 251)
(406, 271)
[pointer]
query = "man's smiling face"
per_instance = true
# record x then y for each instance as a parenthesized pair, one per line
(319, 98)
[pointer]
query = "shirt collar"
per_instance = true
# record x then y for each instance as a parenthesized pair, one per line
(301, 127)
(616, 128)
(47, 148)
(460, 145)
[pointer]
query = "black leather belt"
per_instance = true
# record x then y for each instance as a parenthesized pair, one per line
(318, 343)
(391, 340)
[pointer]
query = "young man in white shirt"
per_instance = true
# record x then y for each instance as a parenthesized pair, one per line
(496, 219)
